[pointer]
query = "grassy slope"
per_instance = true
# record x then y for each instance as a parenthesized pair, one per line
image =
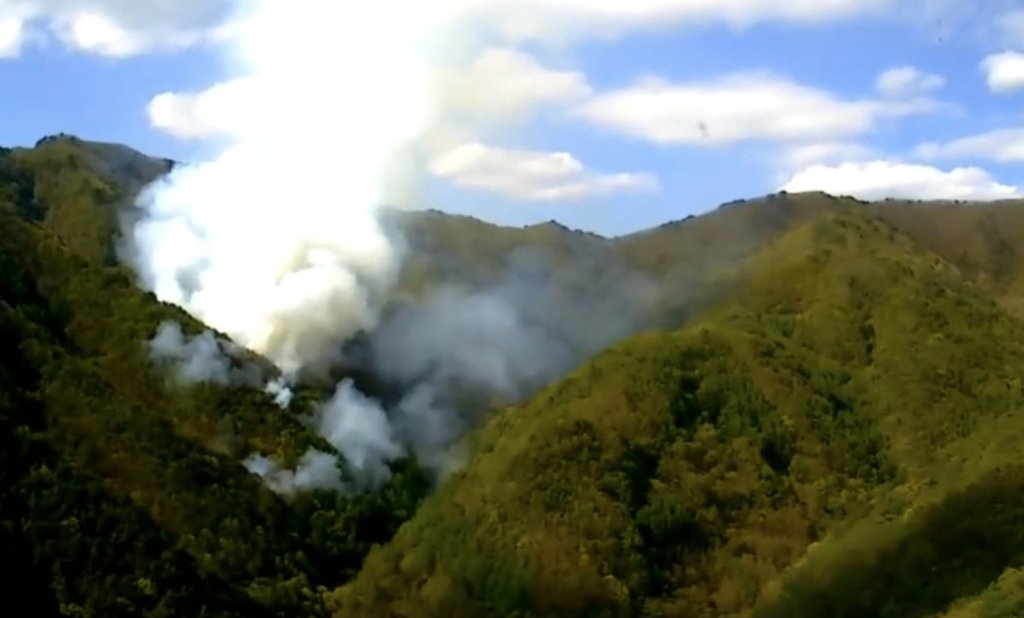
(683, 474)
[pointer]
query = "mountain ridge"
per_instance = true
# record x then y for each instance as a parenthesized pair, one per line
(761, 420)
(816, 386)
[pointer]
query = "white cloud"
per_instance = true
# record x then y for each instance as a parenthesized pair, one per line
(804, 155)
(12, 35)
(880, 179)
(905, 81)
(1002, 145)
(1004, 72)
(508, 84)
(114, 28)
(738, 107)
(531, 175)
(223, 109)
(574, 19)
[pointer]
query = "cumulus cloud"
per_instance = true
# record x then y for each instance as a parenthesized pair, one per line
(215, 112)
(12, 36)
(880, 179)
(804, 155)
(1002, 145)
(508, 84)
(116, 28)
(1004, 72)
(531, 175)
(739, 107)
(904, 81)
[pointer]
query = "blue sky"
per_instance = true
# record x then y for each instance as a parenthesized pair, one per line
(737, 102)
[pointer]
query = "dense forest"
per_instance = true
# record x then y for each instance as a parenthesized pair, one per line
(819, 414)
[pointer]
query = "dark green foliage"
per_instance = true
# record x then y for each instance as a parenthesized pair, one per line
(949, 550)
(17, 187)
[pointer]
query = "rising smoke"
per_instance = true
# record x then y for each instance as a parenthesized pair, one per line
(444, 360)
(201, 359)
(465, 349)
(277, 241)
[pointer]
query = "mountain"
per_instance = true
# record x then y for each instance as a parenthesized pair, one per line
(834, 412)
(812, 409)
(123, 489)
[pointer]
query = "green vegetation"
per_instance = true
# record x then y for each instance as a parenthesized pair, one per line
(688, 474)
(123, 491)
(827, 423)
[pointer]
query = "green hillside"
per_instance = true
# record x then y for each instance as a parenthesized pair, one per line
(823, 419)
(839, 404)
(123, 489)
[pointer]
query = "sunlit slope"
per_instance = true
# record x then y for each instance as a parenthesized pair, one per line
(983, 240)
(81, 189)
(685, 474)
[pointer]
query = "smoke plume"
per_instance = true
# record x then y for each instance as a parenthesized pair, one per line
(463, 349)
(201, 359)
(277, 241)
(281, 393)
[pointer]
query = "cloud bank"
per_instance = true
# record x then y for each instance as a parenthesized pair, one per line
(738, 107)
(875, 180)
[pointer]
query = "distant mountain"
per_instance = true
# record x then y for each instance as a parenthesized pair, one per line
(813, 409)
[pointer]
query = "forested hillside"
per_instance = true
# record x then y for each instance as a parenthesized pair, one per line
(122, 489)
(841, 404)
(819, 414)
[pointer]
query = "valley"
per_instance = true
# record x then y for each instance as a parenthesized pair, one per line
(800, 404)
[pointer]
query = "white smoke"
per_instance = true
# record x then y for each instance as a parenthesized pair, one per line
(462, 350)
(279, 390)
(202, 358)
(316, 470)
(356, 426)
(277, 241)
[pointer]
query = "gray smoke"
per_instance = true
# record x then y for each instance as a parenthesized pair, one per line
(466, 349)
(357, 426)
(447, 359)
(281, 393)
(201, 359)
(315, 470)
